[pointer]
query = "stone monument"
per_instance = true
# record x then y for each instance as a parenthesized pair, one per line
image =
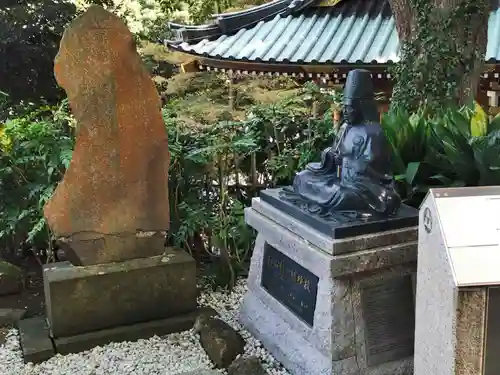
(331, 283)
(457, 330)
(110, 212)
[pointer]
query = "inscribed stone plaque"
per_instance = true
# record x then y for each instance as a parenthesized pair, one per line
(389, 315)
(492, 345)
(290, 283)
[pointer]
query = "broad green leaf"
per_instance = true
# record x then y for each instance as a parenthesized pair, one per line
(411, 172)
(459, 121)
(479, 121)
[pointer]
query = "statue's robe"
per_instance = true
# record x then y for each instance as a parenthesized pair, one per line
(365, 181)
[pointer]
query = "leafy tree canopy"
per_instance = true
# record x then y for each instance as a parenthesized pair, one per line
(29, 39)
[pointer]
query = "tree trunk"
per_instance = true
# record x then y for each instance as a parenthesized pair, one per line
(476, 44)
(404, 17)
(471, 40)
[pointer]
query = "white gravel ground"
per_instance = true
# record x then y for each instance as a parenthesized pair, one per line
(169, 355)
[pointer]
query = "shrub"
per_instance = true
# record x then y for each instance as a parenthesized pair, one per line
(216, 170)
(459, 147)
(35, 150)
(181, 85)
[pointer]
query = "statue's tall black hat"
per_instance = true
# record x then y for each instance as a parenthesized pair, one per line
(358, 86)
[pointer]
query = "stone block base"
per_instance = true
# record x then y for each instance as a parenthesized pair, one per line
(323, 313)
(35, 340)
(86, 341)
(37, 345)
(299, 355)
(82, 299)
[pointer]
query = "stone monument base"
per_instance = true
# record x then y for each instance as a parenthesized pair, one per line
(331, 306)
(38, 346)
(94, 305)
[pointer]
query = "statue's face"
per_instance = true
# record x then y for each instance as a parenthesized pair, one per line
(350, 114)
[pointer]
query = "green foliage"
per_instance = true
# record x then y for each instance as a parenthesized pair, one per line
(200, 11)
(200, 83)
(465, 159)
(29, 39)
(217, 168)
(156, 30)
(441, 54)
(4, 105)
(34, 152)
(442, 151)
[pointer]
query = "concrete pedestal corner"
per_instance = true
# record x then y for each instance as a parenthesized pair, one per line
(325, 306)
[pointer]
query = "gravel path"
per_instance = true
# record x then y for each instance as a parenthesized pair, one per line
(169, 355)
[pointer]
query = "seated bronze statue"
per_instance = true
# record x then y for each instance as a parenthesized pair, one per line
(354, 175)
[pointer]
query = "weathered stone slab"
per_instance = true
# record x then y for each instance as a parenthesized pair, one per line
(112, 204)
(133, 332)
(36, 344)
(90, 298)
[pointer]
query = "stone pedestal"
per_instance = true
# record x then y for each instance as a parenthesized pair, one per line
(331, 306)
(94, 305)
(90, 298)
(457, 330)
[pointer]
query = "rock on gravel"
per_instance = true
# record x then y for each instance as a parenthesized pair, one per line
(174, 354)
(11, 278)
(246, 366)
(221, 342)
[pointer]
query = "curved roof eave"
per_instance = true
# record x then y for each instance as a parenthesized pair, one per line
(353, 31)
(175, 45)
(226, 23)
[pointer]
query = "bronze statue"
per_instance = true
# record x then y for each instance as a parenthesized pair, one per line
(354, 175)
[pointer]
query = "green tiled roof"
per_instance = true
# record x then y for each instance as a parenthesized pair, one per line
(294, 31)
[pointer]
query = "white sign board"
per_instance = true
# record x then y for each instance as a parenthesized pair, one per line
(470, 221)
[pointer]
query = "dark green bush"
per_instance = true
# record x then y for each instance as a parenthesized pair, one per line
(30, 32)
(35, 150)
(460, 147)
